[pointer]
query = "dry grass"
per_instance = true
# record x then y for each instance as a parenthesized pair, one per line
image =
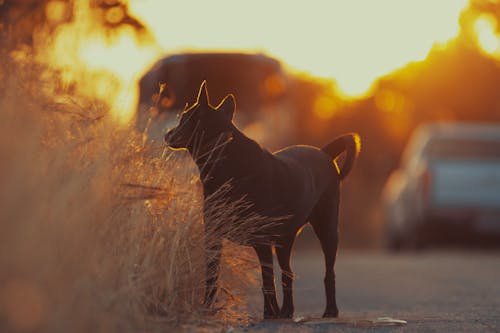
(99, 232)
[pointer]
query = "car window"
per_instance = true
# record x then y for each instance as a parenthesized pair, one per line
(463, 149)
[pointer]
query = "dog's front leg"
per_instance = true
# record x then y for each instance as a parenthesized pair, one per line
(265, 255)
(213, 254)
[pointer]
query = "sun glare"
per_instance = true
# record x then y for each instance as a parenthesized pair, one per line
(100, 64)
(485, 28)
(352, 41)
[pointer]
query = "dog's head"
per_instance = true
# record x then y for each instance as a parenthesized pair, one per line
(203, 124)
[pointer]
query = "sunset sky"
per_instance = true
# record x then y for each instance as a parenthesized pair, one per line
(353, 41)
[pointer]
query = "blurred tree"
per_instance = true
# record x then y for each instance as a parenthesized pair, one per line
(19, 19)
(457, 82)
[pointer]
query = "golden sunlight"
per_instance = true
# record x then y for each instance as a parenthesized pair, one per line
(485, 28)
(354, 42)
(101, 64)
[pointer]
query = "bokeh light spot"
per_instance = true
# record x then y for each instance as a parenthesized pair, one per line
(485, 28)
(115, 15)
(273, 85)
(56, 11)
(325, 107)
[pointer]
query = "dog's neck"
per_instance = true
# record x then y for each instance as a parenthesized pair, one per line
(222, 161)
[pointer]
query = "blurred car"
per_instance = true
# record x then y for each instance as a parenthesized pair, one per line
(258, 82)
(447, 187)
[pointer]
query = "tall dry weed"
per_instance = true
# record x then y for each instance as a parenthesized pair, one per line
(99, 231)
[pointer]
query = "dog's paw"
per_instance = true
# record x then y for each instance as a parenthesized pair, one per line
(286, 312)
(331, 313)
(270, 314)
(271, 310)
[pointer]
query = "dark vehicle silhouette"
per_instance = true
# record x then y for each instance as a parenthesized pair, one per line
(447, 187)
(257, 81)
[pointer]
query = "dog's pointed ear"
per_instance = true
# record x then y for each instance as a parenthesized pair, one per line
(227, 106)
(203, 94)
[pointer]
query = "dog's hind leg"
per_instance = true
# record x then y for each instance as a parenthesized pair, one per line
(324, 220)
(265, 255)
(283, 252)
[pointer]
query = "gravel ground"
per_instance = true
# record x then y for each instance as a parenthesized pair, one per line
(434, 291)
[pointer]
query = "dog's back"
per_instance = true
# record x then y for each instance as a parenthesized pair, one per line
(304, 173)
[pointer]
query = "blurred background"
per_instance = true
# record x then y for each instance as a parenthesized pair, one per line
(301, 73)
(101, 228)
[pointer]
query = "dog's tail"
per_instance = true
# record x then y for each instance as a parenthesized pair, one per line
(351, 144)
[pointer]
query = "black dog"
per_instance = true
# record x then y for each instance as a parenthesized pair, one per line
(300, 183)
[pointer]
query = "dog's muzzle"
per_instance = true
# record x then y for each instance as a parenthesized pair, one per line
(167, 138)
(170, 140)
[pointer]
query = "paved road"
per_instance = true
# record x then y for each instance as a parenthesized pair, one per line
(433, 291)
